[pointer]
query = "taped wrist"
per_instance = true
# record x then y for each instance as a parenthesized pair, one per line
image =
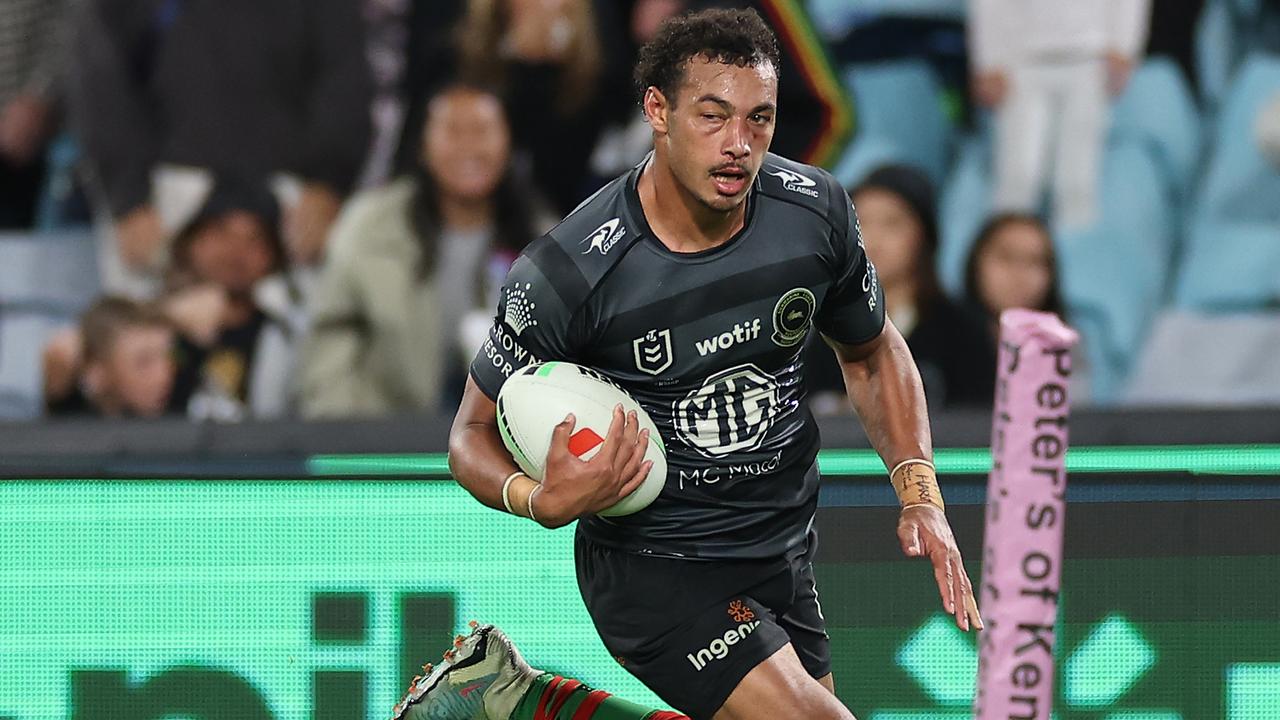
(517, 494)
(916, 483)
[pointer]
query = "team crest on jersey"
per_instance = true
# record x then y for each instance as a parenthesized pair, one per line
(794, 181)
(653, 351)
(731, 412)
(605, 236)
(791, 317)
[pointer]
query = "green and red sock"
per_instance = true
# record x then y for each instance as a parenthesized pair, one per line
(553, 697)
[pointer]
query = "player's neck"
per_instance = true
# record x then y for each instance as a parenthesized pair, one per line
(679, 220)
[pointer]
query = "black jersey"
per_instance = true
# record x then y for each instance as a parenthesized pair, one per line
(709, 343)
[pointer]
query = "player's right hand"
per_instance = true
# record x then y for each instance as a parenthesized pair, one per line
(572, 488)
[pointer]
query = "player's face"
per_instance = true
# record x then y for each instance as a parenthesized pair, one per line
(1015, 268)
(719, 129)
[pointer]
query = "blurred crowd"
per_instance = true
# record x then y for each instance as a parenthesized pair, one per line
(307, 207)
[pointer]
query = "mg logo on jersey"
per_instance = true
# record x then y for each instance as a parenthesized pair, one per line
(794, 181)
(653, 351)
(731, 412)
(605, 237)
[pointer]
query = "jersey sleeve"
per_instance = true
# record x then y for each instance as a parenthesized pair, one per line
(853, 311)
(532, 326)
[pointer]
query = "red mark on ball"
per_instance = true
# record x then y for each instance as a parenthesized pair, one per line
(583, 441)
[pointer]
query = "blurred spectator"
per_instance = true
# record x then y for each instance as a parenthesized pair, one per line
(624, 143)
(1012, 265)
(31, 60)
(547, 60)
(117, 363)
(1047, 67)
(239, 314)
(431, 62)
(403, 301)
(1267, 130)
(169, 94)
(815, 118)
(897, 218)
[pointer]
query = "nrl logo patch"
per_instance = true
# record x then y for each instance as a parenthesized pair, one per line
(653, 352)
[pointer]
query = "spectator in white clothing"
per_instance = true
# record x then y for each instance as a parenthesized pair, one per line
(1047, 68)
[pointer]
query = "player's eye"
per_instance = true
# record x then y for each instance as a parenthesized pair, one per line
(759, 119)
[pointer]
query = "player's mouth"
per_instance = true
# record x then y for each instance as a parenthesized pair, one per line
(730, 180)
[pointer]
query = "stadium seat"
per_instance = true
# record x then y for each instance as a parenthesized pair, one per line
(835, 17)
(1158, 107)
(1232, 255)
(1217, 48)
(864, 155)
(1183, 363)
(897, 105)
(45, 282)
(1114, 274)
(963, 207)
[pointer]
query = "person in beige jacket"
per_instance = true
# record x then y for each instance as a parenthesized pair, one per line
(412, 263)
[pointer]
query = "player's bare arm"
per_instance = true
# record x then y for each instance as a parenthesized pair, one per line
(885, 388)
(571, 488)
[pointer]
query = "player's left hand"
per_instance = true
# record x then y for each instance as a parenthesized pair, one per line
(924, 532)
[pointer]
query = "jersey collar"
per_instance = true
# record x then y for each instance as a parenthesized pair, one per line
(636, 211)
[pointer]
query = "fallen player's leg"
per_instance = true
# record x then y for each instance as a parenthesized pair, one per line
(485, 678)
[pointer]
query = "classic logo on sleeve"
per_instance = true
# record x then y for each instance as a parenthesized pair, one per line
(794, 181)
(605, 237)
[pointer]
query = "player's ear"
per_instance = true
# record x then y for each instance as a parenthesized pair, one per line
(656, 108)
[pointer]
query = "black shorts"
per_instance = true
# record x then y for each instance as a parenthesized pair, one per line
(690, 630)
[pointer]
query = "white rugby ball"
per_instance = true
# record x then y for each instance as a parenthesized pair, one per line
(538, 397)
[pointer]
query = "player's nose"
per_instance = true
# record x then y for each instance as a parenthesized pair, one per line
(736, 140)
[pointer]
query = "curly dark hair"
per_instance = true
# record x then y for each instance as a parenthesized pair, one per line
(735, 37)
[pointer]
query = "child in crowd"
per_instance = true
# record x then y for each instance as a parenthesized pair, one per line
(117, 363)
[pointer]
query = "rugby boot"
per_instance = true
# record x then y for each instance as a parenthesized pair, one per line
(483, 677)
